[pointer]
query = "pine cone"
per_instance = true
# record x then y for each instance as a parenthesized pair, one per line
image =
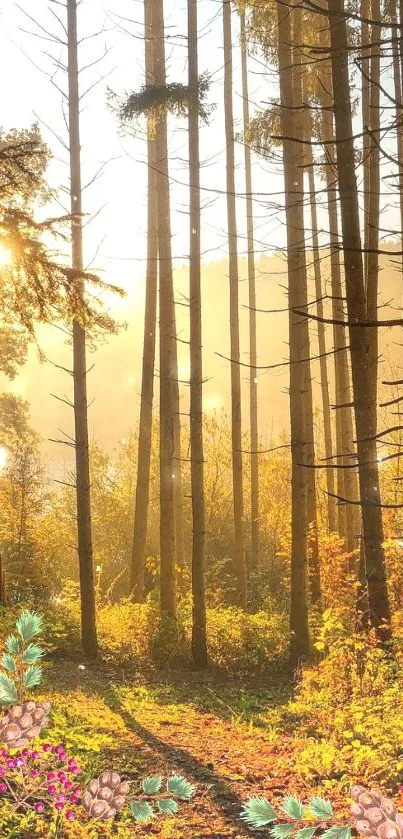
(105, 795)
(375, 816)
(23, 722)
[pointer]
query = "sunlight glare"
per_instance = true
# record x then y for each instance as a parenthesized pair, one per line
(3, 457)
(5, 257)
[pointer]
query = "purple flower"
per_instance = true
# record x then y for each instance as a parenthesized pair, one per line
(69, 815)
(39, 807)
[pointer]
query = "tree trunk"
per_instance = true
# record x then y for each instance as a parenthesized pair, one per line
(312, 514)
(253, 374)
(347, 484)
(199, 640)
(236, 419)
(167, 336)
(324, 379)
(180, 552)
(85, 556)
(297, 297)
(147, 381)
(363, 352)
(365, 113)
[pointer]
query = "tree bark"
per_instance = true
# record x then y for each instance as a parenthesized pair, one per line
(312, 513)
(199, 638)
(297, 297)
(236, 418)
(324, 379)
(167, 337)
(180, 551)
(365, 114)
(253, 373)
(347, 484)
(138, 557)
(363, 352)
(83, 492)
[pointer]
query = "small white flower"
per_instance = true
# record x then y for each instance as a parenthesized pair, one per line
(81, 666)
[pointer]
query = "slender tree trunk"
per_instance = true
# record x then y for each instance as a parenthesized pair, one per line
(253, 374)
(347, 484)
(398, 100)
(180, 551)
(85, 556)
(324, 379)
(147, 381)
(167, 336)
(365, 114)
(236, 418)
(297, 297)
(312, 513)
(199, 639)
(363, 352)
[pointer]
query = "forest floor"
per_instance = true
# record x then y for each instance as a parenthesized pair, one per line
(214, 732)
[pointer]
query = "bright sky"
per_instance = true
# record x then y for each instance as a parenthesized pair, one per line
(116, 237)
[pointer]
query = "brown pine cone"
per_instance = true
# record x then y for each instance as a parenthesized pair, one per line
(105, 795)
(23, 722)
(375, 816)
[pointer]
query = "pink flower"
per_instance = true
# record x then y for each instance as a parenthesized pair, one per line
(19, 762)
(73, 799)
(67, 785)
(62, 756)
(77, 790)
(58, 749)
(11, 764)
(4, 752)
(39, 807)
(34, 755)
(47, 747)
(3, 788)
(62, 776)
(25, 752)
(34, 773)
(75, 770)
(2, 771)
(51, 776)
(59, 806)
(52, 789)
(61, 798)
(69, 815)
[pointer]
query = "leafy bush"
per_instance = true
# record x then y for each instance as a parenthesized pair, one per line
(132, 633)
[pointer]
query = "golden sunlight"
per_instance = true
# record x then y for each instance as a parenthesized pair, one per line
(3, 457)
(5, 256)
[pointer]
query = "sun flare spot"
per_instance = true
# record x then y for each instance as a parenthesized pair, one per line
(5, 257)
(3, 457)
